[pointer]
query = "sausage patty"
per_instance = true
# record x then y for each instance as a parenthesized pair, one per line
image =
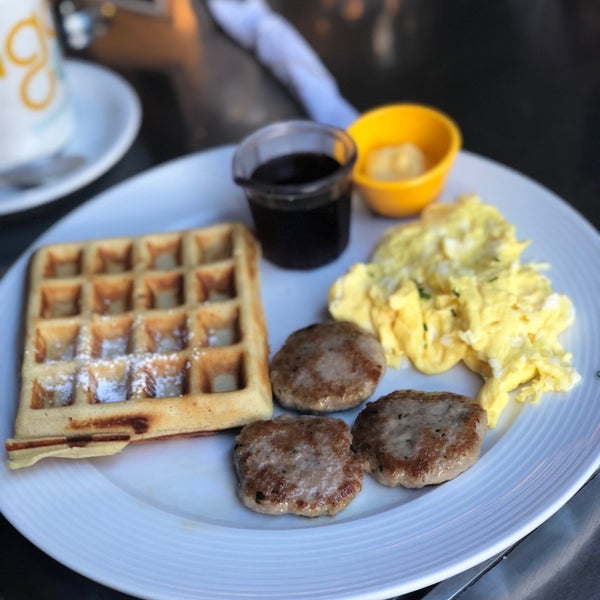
(303, 466)
(326, 367)
(414, 439)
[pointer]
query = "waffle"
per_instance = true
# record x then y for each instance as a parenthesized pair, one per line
(132, 339)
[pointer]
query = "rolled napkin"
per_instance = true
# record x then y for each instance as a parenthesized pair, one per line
(280, 48)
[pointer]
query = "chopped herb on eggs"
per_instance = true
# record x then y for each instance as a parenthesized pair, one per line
(423, 294)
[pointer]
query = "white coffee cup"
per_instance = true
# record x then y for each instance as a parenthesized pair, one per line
(36, 116)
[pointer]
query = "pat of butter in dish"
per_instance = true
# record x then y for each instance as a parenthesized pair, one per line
(450, 287)
(396, 163)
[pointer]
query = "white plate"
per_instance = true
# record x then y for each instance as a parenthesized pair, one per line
(107, 115)
(161, 520)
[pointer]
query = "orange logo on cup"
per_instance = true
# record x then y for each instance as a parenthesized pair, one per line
(36, 60)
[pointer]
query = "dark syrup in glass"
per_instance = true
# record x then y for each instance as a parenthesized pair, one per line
(303, 233)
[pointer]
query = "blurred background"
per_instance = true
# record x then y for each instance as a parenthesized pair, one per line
(521, 78)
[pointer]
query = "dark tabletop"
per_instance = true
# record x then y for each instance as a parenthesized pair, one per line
(522, 79)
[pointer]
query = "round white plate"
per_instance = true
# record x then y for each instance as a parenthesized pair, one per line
(161, 520)
(107, 116)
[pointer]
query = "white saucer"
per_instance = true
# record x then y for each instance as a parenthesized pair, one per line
(108, 115)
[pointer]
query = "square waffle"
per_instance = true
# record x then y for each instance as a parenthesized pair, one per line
(131, 339)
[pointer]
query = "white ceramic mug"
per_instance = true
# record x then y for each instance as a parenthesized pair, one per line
(36, 116)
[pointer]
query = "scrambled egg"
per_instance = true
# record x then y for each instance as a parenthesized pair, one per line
(450, 287)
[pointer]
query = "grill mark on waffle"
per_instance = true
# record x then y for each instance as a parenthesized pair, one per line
(70, 441)
(156, 336)
(84, 440)
(138, 423)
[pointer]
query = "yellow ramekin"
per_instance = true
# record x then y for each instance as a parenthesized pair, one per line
(436, 134)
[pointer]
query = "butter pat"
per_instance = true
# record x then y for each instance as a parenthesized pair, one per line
(396, 163)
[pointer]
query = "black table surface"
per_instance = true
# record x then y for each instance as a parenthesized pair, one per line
(522, 79)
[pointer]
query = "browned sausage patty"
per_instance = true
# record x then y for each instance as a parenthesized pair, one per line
(302, 466)
(326, 367)
(414, 439)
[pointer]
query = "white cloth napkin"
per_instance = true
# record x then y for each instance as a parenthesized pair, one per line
(280, 48)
